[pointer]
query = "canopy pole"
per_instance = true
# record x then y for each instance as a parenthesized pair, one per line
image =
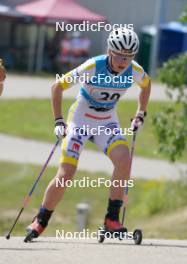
(160, 6)
(32, 47)
(40, 48)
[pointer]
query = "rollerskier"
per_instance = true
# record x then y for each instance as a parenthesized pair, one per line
(108, 77)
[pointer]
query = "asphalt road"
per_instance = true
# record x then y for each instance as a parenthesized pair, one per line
(57, 251)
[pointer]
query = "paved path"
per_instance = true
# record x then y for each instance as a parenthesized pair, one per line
(29, 151)
(17, 86)
(57, 251)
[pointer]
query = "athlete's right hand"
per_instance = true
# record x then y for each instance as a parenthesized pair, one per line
(60, 128)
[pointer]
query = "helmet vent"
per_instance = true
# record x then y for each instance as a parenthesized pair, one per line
(132, 46)
(125, 39)
(115, 45)
(121, 45)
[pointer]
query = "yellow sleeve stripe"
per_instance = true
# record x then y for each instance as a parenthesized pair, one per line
(90, 66)
(145, 83)
(136, 68)
(65, 81)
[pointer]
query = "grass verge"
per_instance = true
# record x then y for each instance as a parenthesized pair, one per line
(158, 207)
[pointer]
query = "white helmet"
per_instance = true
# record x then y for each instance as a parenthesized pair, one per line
(123, 40)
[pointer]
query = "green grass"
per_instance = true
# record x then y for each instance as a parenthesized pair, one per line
(158, 207)
(33, 119)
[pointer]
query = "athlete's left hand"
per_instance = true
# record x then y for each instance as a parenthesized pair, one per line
(137, 121)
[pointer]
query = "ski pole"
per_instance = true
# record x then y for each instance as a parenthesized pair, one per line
(125, 197)
(28, 197)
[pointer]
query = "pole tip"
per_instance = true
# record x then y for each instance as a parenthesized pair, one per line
(8, 236)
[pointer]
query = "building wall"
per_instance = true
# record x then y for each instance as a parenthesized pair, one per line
(137, 12)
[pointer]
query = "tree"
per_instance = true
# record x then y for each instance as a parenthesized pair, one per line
(171, 123)
(183, 17)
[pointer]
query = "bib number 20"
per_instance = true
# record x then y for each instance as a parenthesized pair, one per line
(107, 96)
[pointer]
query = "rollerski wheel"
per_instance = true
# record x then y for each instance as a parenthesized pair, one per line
(101, 235)
(137, 236)
(104, 233)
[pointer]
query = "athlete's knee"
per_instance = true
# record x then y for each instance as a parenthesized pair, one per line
(120, 157)
(65, 172)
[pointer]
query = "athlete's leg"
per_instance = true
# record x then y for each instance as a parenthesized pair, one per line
(120, 158)
(71, 148)
(119, 155)
(56, 187)
(116, 148)
(52, 197)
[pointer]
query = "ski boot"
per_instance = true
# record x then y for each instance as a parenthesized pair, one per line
(33, 230)
(111, 229)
